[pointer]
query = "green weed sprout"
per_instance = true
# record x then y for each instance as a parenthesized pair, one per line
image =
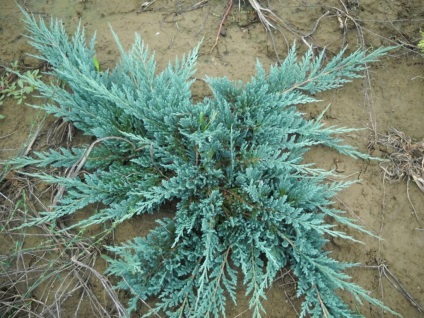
(421, 43)
(20, 88)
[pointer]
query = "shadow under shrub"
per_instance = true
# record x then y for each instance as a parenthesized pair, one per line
(246, 202)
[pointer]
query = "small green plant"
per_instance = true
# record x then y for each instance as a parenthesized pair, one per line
(16, 85)
(246, 203)
(421, 43)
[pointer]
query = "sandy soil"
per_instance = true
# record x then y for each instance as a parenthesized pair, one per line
(391, 96)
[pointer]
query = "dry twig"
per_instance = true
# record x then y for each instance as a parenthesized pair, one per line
(230, 5)
(385, 272)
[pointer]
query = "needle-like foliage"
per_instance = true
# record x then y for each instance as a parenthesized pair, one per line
(246, 203)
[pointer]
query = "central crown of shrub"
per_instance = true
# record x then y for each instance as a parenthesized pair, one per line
(246, 204)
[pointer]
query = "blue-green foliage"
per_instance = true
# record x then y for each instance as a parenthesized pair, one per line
(247, 204)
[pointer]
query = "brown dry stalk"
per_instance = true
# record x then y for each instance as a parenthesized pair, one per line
(230, 5)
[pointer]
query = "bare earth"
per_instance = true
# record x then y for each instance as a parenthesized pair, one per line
(390, 96)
